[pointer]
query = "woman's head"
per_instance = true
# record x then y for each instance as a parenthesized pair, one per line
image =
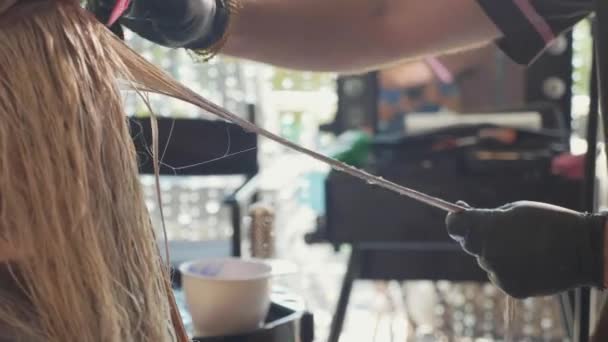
(69, 190)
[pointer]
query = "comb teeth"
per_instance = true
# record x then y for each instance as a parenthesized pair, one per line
(118, 10)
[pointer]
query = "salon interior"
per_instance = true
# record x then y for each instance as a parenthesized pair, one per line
(267, 244)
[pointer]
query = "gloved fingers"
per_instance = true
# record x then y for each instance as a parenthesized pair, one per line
(508, 206)
(106, 4)
(175, 24)
(164, 12)
(516, 289)
(495, 280)
(458, 224)
(468, 229)
(164, 5)
(464, 204)
(473, 243)
(511, 292)
(495, 269)
(504, 276)
(144, 28)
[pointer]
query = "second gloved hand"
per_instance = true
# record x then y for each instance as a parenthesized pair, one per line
(172, 23)
(533, 249)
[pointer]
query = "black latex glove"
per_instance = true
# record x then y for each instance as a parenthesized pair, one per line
(533, 249)
(173, 23)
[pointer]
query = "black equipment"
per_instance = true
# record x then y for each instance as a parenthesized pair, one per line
(395, 238)
(287, 319)
(193, 141)
(286, 322)
(484, 174)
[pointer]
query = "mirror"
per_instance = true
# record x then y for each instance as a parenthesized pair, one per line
(481, 80)
(481, 85)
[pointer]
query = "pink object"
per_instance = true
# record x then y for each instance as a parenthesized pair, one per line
(120, 8)
(536, 20)
(569, 166)
(440, 70)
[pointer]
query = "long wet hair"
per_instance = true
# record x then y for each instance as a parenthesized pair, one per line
(87, 267)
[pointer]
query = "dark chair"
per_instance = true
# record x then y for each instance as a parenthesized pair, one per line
(194, 141)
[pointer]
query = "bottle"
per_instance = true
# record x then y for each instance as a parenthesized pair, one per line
(261, 233)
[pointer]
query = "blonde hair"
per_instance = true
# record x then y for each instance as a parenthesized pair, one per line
(70, 198)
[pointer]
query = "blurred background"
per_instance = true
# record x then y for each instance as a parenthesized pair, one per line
(365, 120)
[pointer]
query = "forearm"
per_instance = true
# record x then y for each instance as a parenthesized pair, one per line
(445, 68)
(410, 74)
(354, 35)
(465, 61)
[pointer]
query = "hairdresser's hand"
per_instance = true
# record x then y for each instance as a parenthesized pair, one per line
(533, 249)
(173, 23)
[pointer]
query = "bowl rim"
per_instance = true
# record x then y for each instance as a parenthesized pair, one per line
(184, 269)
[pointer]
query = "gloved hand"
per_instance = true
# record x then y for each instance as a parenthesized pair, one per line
(533, 249)
(195, 24)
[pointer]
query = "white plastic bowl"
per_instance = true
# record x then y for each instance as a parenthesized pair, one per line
(226, 296)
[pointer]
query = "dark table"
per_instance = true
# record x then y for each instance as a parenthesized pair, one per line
(287, 321)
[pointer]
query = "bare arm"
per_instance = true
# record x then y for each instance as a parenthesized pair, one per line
(419, 72)
(354, 35)
(409, 74)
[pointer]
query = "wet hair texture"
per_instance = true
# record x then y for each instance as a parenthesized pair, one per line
(87, 267)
